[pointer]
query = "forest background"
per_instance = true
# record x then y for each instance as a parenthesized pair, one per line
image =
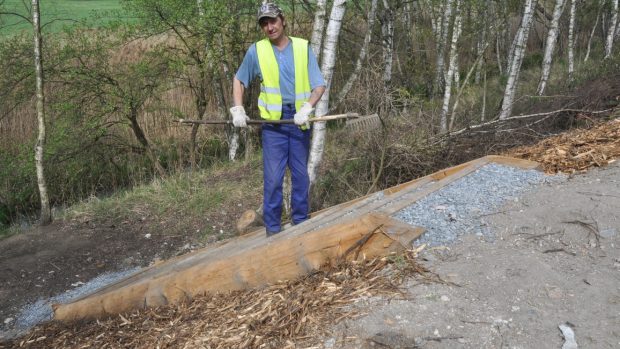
(450, 79)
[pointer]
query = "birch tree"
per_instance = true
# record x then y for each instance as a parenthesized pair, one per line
(598, 15)
(611, 32)
(456, 32)
(482, 40)
(552, 37)
(318, 28)
(515, 65)
(46, 212)
(387, 32)
(571, 40)
(327, 69)
(360, 59)
(232, 132)
(442, 43)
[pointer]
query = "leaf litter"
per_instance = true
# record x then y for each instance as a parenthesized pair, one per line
(576, 150)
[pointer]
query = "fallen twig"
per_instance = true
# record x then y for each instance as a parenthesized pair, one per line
(538, 236)
(553, 250)
(591, 227)
(597, 194)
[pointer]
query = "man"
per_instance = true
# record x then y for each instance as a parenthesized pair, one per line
(291, 85)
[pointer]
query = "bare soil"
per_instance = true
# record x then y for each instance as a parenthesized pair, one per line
(555, 260)
(47, 261)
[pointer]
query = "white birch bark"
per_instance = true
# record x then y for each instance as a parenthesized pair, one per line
(442, 43)
(456, 32)
(609, 44)
(327, 69)
(484, 97)
(46, 212)
(360, 59)
(435, 21)
(460, 89)
(482, 41)
(233, 132)
(598, 15)
(318, 28)
(515, 64)
(387, 31)
(552, 37)
(498, 52)
(571, 40)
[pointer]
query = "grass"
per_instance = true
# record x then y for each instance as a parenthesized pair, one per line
(177, 202)
(55, 14)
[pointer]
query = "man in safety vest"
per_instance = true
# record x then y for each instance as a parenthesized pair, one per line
(291, 85)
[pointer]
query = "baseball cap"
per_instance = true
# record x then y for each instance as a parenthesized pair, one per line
(268, 9)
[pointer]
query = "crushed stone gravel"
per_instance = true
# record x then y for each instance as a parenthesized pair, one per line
(461, 207)
(41, 310)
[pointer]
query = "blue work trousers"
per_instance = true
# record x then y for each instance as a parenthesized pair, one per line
(285, 145)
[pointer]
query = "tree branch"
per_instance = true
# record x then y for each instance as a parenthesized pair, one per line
(452, 134)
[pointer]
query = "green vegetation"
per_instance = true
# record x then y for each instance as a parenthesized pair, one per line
(56, 14)
(177, 201)
(114, 92)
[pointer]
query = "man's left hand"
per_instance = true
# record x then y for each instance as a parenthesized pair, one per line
(303, 114)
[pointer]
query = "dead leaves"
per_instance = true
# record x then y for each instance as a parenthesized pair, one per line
(576, 150)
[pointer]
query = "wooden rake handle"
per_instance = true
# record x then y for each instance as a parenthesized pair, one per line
(262, 121)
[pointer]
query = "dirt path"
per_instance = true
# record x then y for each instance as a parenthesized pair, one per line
(539, 272)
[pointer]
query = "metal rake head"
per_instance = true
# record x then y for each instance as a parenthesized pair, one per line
(364, 123)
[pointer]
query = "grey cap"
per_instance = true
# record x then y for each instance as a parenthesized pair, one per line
(268, 9)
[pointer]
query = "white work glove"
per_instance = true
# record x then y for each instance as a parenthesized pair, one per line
(239, 117)
(303, 114)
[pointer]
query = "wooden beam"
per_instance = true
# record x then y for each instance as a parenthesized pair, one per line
(267, 261)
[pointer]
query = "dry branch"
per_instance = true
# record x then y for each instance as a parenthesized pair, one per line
(528, 116)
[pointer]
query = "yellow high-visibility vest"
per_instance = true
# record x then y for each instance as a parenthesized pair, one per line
(270, 97)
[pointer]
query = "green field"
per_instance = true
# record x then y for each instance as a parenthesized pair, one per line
(55, 14)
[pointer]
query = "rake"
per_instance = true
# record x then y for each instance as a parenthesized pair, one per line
(354, 121)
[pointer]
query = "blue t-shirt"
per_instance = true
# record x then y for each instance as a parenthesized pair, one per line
(250, 68)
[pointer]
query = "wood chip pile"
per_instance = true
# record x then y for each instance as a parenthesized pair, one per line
(290, 314)
(575, 151)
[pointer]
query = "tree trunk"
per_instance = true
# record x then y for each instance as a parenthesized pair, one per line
(571, 41)
(462, 88)
(611, 32)
(327, 69)
(387, 31)
(482, 41)
(318, 28)
(552, 37)
(598, 15)
(456, 32)
(498, 53)
(515, 65)
(46, 211)
(141, 137)
(441, 46)
(484, 97)
(360, 59)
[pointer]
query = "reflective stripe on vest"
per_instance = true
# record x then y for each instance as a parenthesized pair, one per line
(270, 98)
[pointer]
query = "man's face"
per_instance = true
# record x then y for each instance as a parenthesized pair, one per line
(272, 27)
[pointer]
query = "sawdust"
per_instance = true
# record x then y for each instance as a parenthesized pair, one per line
(576, 150)
(285, 315)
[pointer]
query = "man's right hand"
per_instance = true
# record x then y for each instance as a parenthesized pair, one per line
(239, 117)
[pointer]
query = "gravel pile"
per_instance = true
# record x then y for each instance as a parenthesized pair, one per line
(460, 207)
(41, 310)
